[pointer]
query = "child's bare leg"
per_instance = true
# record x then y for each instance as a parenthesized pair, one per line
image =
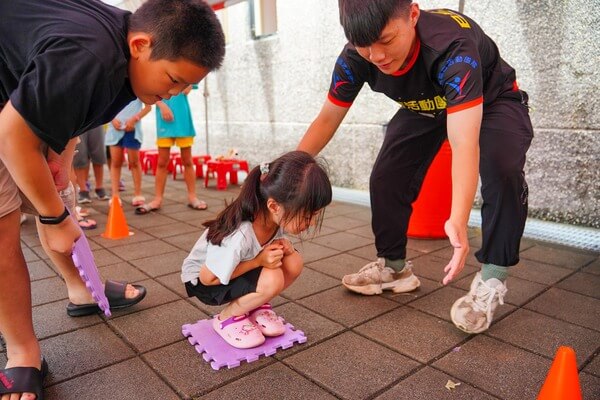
(98, 175)
(77, 291)
(270, 284)
(82, 175)
(116, 157)
(292, 266)
(133, 157)
(160, 180)
(22, 347)
(189, 174)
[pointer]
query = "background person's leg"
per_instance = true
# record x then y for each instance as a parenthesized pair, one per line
(189, 174)
(133, 158)
(116, 156)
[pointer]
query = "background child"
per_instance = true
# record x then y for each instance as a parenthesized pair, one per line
(174, 127)
(125, 132)
(90, 148)
(243, 257)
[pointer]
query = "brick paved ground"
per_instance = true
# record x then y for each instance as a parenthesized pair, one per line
(383, 347)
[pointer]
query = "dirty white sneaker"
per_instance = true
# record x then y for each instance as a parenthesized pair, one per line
(474, 312)
(375, 277)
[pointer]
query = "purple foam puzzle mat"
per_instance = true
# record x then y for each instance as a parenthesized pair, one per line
(84, 261)
(221, 354)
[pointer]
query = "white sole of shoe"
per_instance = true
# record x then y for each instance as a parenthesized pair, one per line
(459, 326)
(374, 289)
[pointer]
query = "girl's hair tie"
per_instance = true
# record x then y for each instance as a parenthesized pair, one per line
(264, 168)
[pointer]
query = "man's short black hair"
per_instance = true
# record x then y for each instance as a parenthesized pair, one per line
(364, 20)
(181, 29)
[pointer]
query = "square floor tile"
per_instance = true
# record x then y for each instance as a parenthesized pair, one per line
(338, 265)
(430, 384)
(315, 327)
(495, 367)
(150, 248)
(582, 283)
(342, 241)
(158, 326)
(569, 307)
(161, 264)
(537, 272)
(561, 257)
(179, 228)
(308, 283)
(334, 362)
(347, 308)
(52, 319)
(544, 335)
(185, 370)
(413, 333)
(82, 351)
(48, 290)
(39, 270)
(342, 222)
(311, 252)
(131, 379)
(122, 272)
(276, 381)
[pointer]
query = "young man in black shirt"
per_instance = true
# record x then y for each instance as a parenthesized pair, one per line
(450, 81)
(67, 66)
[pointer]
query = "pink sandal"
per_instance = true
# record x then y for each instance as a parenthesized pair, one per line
(239, 332)
(267, 321)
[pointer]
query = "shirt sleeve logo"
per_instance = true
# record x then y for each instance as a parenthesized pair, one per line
(458, 83)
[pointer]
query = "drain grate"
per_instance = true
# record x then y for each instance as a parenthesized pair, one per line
(552, 232)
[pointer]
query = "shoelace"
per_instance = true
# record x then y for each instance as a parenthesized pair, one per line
(484, 296)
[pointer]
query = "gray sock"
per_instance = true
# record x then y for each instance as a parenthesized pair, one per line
(489, 271)
(396, 265)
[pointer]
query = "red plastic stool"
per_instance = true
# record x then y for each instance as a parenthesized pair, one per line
(431, 210)
(238, 165)
(199, 162)
(223, 167)
(150, 161)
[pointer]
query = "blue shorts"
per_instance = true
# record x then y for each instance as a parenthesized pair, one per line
(128, 141)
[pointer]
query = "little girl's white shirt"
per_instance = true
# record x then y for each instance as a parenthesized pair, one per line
(240, 245)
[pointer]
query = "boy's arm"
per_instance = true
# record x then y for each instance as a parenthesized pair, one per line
(323, 128)
(463, 133)
(130, 123)
(165, 112)
(20, 151)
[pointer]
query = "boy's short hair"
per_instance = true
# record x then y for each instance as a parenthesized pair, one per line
(181, 29)
(364, 20)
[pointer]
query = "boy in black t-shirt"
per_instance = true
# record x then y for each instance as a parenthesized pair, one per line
(67, 66)
(450, 81)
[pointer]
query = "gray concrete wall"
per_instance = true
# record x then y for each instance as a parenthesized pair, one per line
(269, 90)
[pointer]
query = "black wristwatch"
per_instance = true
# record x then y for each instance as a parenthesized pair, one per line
(54, 220)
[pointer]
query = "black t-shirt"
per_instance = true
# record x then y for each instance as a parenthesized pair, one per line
(63, 65)
(455, 66)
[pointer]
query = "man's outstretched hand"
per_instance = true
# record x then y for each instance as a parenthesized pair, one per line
(457, 235)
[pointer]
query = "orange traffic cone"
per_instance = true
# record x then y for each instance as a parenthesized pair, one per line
(562, 382)
(116, 226)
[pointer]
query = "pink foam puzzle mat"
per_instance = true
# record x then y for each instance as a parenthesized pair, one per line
(84, 261)
(220, 354)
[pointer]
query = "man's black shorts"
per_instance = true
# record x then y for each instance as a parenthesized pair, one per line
(215, 295)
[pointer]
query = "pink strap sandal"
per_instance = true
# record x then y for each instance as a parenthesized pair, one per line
(267, 321)
(239, 332)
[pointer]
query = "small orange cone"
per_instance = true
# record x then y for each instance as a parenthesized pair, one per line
(562, 382)
(116, 226)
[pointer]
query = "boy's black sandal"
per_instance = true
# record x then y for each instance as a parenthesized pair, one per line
(24, 380)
